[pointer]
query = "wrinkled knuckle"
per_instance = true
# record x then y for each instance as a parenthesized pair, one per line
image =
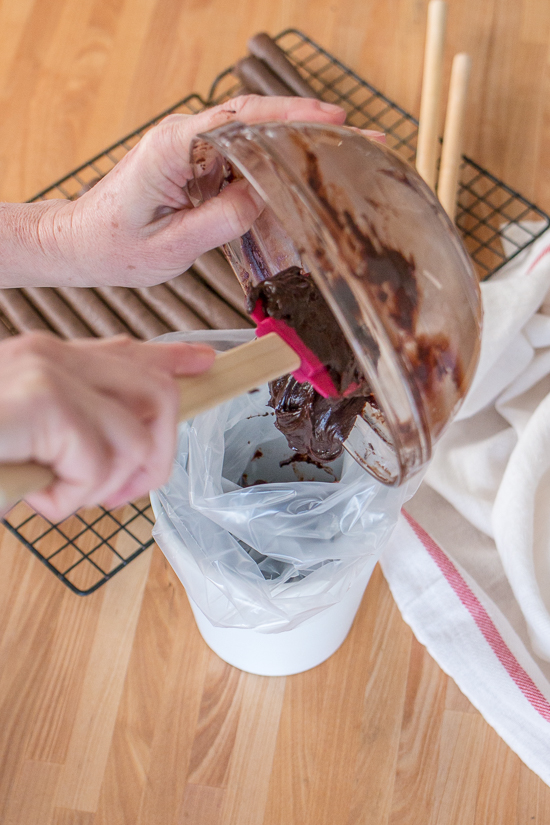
(152, 139)
(172, 120)
(243, 102)
(163, 133)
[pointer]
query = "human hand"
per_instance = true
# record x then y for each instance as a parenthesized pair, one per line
(101, 414)
(137, 225)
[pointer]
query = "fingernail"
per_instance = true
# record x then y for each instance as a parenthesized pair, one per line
(200, 347)
(202, 355)
(331, 108)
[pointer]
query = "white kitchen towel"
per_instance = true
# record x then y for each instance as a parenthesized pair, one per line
(480, 598)
(465, 616)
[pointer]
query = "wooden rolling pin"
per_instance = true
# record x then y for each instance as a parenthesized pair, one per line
(233, 373)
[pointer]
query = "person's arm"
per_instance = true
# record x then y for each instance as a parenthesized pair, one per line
(137, 226)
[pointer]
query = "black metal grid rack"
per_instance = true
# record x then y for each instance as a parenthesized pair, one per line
(91, 546)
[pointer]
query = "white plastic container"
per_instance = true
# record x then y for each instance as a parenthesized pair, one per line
(286, 652)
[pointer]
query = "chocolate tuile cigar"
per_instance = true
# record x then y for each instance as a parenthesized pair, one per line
(170, 308)
(206, 303)
(245, 90)
(142, 322)
(4, 331)
(100, 318)
(20, 312)
(258, 77)
(214, 269)
(57, 312)
(264, 48)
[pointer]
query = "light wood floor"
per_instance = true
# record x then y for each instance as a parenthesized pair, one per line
(112, 710)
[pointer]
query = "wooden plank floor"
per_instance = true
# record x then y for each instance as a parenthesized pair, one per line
(112, 710)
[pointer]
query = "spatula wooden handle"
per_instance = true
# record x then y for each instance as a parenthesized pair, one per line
(233, 373)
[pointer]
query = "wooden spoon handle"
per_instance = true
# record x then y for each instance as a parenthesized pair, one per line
(233, 373)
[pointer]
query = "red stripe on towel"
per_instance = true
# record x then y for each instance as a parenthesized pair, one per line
(483, 622)
(537, 259)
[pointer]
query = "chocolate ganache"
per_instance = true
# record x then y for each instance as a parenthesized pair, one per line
(314, 426)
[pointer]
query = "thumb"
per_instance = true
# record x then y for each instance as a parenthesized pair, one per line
(195, 358)
(220, 219)
(177, 357)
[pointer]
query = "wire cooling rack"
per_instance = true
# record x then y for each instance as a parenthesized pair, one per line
(496, 223)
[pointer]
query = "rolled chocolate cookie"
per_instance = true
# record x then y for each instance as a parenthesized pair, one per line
(214, 269)
(209, 306)
(58, 314)
(264, 48)
(139, 318)
(5, 331)
(258, 77)
(170, 308)
(100, 318)
(20, 312)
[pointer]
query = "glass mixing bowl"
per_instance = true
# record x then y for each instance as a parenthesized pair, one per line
(384, 255)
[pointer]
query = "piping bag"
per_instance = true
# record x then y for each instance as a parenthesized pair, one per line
(359, 220)
(276, 351)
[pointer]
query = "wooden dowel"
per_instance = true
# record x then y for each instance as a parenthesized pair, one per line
(233, 373)
(453, 135)
(428, 129)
